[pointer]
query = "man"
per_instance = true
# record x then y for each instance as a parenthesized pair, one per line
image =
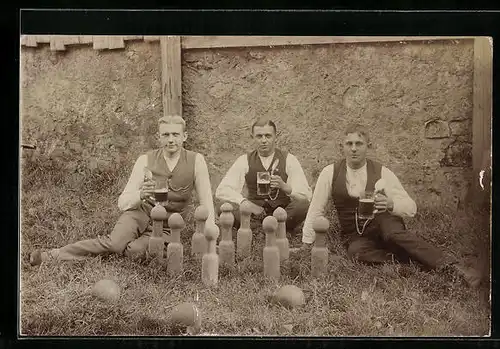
(289, 187)
(170, 165)
(384, 237)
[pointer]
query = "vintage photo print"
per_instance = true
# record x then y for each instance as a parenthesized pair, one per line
(290, 186)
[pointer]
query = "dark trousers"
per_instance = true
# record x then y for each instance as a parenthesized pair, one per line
(386, 237)
(296, 211)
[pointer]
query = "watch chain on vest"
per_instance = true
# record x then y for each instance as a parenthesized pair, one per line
(345, 204)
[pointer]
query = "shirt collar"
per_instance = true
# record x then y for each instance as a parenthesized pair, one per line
(266, 157)
(359, 170)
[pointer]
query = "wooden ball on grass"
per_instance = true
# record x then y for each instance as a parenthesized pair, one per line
(185, 317)
(106, 290)
(289, 296)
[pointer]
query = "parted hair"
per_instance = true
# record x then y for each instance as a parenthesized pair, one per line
(264, 122)
(173, 119)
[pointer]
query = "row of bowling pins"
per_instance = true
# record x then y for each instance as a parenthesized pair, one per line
(204, 241)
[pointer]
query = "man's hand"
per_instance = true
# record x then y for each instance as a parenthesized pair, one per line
(147, 189)
(383, 203)
(255, 209)
(277, 182)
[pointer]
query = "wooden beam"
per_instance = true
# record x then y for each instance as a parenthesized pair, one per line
(100, 42)
(133, 37)
(151, 38)
(44, 39)
(57, 43)
(248, 41)
(115, 42)
(171, 75)
(29, 40)
(481, 118)
(85, 39)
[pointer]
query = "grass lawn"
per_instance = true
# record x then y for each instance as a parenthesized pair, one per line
(353, 300)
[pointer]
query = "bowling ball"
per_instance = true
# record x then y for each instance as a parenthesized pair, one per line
(186, 317)
(106, 290)
(289, 296)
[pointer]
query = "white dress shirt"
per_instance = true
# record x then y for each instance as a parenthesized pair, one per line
(131, 195)
(404, 206)
(231, 186)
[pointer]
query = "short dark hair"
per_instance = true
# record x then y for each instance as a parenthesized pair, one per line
(359, 129)
(264, 122)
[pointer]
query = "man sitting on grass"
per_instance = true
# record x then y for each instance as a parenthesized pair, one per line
(170, 165)
(383, 238)
(288, 183)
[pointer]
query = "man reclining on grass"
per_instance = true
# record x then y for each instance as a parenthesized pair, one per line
(182, 170)
(288, 184)
(384, 237)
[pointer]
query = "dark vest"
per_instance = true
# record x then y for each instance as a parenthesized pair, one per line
(254, 166)
(344, 203)
(180, 180)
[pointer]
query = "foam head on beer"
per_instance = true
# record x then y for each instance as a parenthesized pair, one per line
(366, 205)
(263, 183)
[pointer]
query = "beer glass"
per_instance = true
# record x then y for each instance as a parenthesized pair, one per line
(366, 206)
(161, 192)
(263, 183)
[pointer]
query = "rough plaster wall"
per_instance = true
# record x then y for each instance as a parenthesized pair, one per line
(416, 98)
(91, 109)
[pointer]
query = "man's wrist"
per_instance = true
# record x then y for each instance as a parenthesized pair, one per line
(287, 189)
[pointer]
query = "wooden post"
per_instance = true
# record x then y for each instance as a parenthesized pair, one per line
(481, 120)
(171, 75)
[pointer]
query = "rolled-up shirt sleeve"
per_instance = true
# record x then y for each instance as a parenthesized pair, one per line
(231, 186)
(320, 197)
(297, 179)
(131, 196)
(203, 187)
(404, 205)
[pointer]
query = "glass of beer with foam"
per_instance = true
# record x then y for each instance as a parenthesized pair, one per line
(366, 206)
(161, 192)
(263, 183)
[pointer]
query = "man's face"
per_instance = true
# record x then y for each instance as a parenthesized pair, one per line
(172, 136)
(265, 139)
(355, 148)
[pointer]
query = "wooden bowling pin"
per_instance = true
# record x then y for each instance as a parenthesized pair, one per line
(210, 260)
(156, 244)
(271, 253)
(198, 241)
(226, 245)
(175, 253)
(319, 252)
(281, 240)
(244, 235)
